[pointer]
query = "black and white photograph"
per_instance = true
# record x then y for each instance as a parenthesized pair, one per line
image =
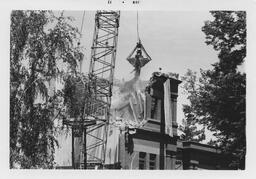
(110, 89)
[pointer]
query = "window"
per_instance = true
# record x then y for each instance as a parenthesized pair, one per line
(142, 160)
(152, 161)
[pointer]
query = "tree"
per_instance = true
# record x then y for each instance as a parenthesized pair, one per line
(189, 128)
(41, 46)
(76, 94)
(227, 34)
(220, 103)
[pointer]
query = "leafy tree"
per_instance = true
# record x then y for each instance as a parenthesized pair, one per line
(227, 34)
(41, 46)
(76, 94)
(220, 99)
(189, 129)
(212, 143)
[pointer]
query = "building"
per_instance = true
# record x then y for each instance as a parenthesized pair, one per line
(197, 156)
(155, 145)
(144, 134)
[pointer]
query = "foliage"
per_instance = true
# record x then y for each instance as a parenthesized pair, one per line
(41, 46)
(227, 34)
(220, 99)
(75, 93)
(189, 129)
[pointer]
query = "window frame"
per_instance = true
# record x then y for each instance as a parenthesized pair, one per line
(142, 160)
(152, 160)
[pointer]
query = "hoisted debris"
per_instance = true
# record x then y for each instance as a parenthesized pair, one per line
(141, 57)
(138, 60)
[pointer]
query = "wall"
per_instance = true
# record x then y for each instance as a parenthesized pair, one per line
(151, 138)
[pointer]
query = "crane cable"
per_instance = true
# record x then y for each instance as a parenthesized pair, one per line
(138, 35)
(78, 43)
(81, 29)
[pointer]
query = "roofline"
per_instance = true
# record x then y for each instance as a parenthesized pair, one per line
(165, 75)
(198, 146)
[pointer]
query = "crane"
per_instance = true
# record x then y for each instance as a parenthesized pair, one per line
(101, 73)
(92, 127)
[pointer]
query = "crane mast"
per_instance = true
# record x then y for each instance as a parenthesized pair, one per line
(101, 73)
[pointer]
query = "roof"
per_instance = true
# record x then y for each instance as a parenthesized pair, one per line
(197, 146)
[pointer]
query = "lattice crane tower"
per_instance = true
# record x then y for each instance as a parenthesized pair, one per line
(101, 73)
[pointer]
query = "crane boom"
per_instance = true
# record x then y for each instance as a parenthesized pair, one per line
(101, 73)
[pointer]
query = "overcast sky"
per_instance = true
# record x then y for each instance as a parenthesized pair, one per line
(174, 40)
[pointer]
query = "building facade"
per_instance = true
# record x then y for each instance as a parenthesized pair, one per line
(154, 145)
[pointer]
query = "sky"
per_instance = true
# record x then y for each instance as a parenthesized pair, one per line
(173, 39)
